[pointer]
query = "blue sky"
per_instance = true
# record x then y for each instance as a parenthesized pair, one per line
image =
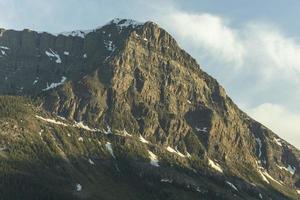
(251, 47)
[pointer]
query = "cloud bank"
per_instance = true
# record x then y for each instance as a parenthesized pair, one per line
(211, 33)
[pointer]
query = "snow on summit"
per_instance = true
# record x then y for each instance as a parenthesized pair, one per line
(77, 33)
(124, 23)
(121, 23)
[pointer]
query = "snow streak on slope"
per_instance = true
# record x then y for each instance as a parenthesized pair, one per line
(153, 159)
(54, 85)
(215, 165)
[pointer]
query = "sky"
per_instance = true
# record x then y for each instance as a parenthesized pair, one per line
(251, 47)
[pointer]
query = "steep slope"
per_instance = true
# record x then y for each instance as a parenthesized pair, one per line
(134, 88)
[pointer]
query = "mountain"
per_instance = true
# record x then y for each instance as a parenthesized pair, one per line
(122, 112)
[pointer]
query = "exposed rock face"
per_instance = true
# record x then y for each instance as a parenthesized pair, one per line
(135, 78)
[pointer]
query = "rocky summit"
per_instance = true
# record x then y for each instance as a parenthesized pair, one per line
(122, 112)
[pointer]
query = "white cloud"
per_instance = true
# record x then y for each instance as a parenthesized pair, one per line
(257, 47)
(279, 119)
(209, 32)
(271, 51)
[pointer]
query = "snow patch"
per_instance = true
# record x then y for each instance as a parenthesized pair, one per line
(232, 186)
(3, 148)
(78, 187)
(66, 53)
(53, 121)
(35, 81)
(4, 47)
(91, 162)
(278, 141)
(80, 139)
(110, 149)
(109, 45)
(62, 118)
(81, 125)
(84, 55)
(41, 131)
(126, 133)
(266, 176)
(188, 154)
(3, 52)
(259, 146)
(215, 165)
(263, 176)
(290, 169)
(108, 131)
(54, 85)
(76, 33)
(120, 23)
(199, 190)
(171, 150)
(203, 129)
(125, 23)
(270, 177)
(51, 54)
(143, 140)
(260, 168)
(153, 159)
(165, 180)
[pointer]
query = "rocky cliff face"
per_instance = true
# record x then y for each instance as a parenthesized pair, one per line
(130, 87)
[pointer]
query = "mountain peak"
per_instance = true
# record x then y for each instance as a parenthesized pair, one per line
(124, 22)
(119, 22)
(127, 98)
